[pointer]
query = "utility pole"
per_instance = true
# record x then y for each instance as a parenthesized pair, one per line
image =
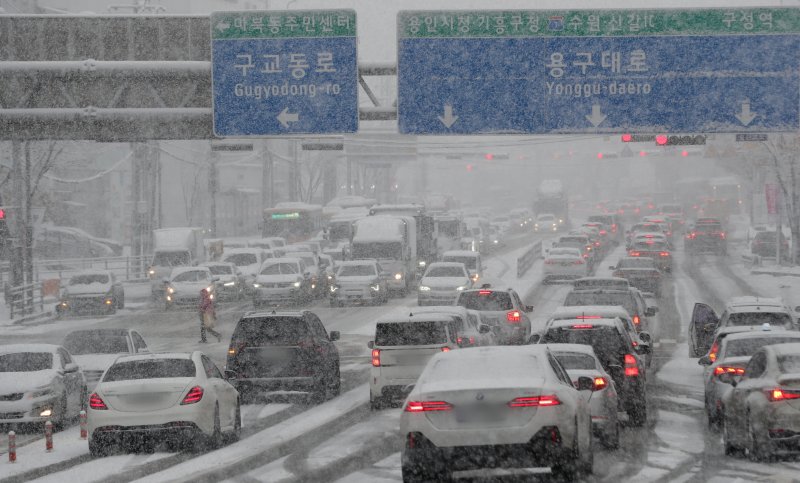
(267, 196)
(137, 208)
(28, 237)
(213, 187)
(293, 172)
(17, 277)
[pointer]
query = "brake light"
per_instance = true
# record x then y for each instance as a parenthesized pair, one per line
(722, 235)
(583, 326)
(96, 402)
(585, 255)
(631, 368)
(720, 370)
(578, 262)
(712, 354)
(600, 383)
(534, 401)
(445, 349)
(549, 262)
(603, 232)
(664, 254)
(513, 316)
(376, 358)
(194, 395)
(584, 317)
(636, 320)
(597, 243)
(777, 395)
(614, 227)
(633, 253)
(484, 292)
(425, 406)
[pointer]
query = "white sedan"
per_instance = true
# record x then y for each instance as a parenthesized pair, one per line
(510, 407)
(564, 263)
(175, 398)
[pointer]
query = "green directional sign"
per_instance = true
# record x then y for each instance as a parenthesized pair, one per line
(597, 23)
(283, 24)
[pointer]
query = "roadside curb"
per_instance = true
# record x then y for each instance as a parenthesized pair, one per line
(40, 317)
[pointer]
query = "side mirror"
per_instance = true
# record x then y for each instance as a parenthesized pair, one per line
(643, 349)
(371, 344)
(650, 311)
(70, 368)
(645, 337)
(529, 308)
(484, 329)
(617, 372)
(335, 335)
(704, 361)
(534, 339)
(229, 374)
(585, 384)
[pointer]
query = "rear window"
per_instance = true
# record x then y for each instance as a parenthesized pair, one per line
(607, 343)
(193, 276)
(601, 219)
(748, 347)
(650, 245)
(488, 301)
(88, 343)
(410, 333)
(708, 228)
(280, 269)
(622, 299)
(469, 262)
(759, 318)
(267, 331)
(242, 259)
(574, 360)
(150, 369)
(88, 279)
(572, 252)
(789, 363)
(26, 362)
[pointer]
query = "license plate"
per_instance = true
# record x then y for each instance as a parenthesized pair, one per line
(473, 414)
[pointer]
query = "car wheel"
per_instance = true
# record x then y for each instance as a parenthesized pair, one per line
(376, 404)
(61, 417)
(610, 439)
(566, 468)
(423, 467)
(335, 384)
(121, 303)
(757, 450)
(637, 413)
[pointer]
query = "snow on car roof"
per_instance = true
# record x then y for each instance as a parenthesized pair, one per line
(157, 355)
(572, 312)
(760, 334)
(786, 349)
(598, 322)
(180, 270)
(90, 272)
(446, 264)
(217, 264)
(275, 261)
(357, 263)
(16, 348)
(581, 348)
(411, 317)
(460, 253)
(755, 301)
(234, 251)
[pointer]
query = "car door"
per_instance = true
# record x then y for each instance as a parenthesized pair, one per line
(321, 335)
(583, 412)
(226, 394)
(73, 381)
(702, 327)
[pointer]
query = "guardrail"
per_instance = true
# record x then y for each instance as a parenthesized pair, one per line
(525, 262)
(24, 299)
(124, 268)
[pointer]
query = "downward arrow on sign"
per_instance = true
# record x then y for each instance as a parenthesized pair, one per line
(449, 119)
(596, 117)
(746, 117)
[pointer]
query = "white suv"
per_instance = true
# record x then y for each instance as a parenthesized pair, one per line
(401, 348)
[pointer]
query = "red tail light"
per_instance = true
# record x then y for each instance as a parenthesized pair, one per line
(600, 383)
(603, 232)
(376, 358)
(722, 235)
(597, 243)
(636, 320)
(712, 354)
(484, 292)
(633, 253)
(534, 401)
(96, 402)
(583, 326)
(631, 368)
(445, 349)
(579, 262)
(585, 255)
(664, 254)
(425, 406)
(194, 395)
(514, 316)
(614, 227)
(778, 394)
(736, 371)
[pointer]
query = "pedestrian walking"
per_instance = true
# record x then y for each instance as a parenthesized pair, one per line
(208, 317)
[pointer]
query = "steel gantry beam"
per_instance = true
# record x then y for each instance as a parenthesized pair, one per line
(138, 91)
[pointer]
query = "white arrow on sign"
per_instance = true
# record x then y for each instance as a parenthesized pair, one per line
(596, 117)
(222, 26)
(449, 119)
(746, 117)
(285, 117)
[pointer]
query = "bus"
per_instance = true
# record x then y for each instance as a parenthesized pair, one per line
(295, 222)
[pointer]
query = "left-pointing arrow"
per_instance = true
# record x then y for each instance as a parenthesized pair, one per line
(285, 117)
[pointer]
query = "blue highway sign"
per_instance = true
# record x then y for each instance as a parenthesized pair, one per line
(282, 73)
(551, 72)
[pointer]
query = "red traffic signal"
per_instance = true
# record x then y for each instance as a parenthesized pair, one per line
(2, 214)
(626, 138)
(662, 139)
(489, 156)
(599, 155)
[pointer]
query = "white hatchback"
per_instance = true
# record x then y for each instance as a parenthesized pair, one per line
(172, 398)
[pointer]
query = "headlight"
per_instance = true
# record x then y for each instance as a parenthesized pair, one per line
(496, 241)
(229, 284)
(330, 277)
(170, 290)
(475, 277)
(398, 276)
(210, 288)
(463, 287)
(109, 301)
(41, 392)
(169, 298)
(423, 288)
(334, 288)
(151, 272)
(536, 225)
(376, 288)
(296, 284)
(422, 263)
(46, 412)
(256, 285)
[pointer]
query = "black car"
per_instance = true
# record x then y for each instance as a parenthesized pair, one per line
(707, 235)
(283, 351)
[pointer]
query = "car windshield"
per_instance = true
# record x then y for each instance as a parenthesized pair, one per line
(470, 262)
(622, 299)
(270, 331)
(760, 318)
(26, 362)
(636, 263)
(241, 259)
(79, 343)
(575, 360)
(486, 300)
(221, 269)
(445, 272)
(410, 333)
(357, 271)
(748, 346)
(192, 276)
(171, 259)
(150, 369)
(89, 279)
(281, 269)
(789, 364)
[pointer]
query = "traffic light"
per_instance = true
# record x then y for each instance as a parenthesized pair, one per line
(2, 214)
(661, 139)
(626, 138)
(678, 140)
(489, 156)
(599, 155)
